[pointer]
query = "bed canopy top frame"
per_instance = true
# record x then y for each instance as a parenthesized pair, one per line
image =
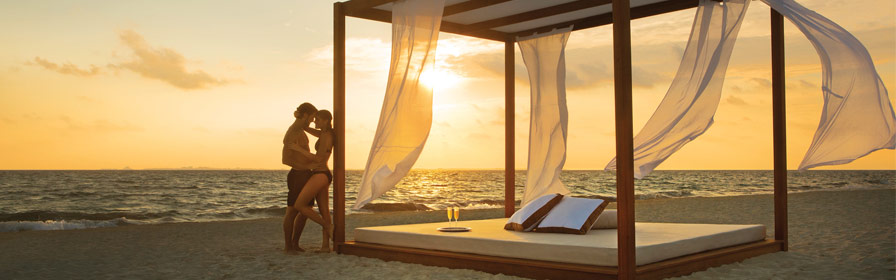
(504, 20)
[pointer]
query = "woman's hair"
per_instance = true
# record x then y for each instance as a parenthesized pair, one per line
(326, 116)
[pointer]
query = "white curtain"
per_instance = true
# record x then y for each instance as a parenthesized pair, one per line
(546, 64)
(689, 105)
(857, 117)
(406, 116)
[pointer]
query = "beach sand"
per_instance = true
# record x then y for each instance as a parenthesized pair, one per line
(833, 235)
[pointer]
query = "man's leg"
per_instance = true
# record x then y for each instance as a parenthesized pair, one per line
(297, 230)
(288, 224)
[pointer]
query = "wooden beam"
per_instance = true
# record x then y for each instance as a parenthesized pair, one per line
(469, 6)
(539, 13)
(604, 19)
(386, 16)
(358, 5)
(339, 123)
(509, 129)
(350, 7)
(625, 179)
(779, 128)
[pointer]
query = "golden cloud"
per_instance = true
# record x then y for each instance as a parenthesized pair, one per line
(163, 64)
(65, 68)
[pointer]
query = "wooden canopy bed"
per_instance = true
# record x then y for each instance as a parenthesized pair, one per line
(548, 18)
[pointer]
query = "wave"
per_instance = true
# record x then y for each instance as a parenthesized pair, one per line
(16, 226)
(40, 215)
(272, 211)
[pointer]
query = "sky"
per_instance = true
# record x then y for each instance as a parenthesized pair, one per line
(212, 84)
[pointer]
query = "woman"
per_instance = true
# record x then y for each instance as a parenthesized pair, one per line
(317, 186)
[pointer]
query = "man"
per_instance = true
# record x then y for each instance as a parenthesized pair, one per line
(295, 145)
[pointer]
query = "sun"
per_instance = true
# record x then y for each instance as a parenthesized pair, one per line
(440, 79)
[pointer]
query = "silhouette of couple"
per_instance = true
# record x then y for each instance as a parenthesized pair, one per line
(310, 178)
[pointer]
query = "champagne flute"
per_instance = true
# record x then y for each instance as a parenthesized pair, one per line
(449, 215)
(456, 214)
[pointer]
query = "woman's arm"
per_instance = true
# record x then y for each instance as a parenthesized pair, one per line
(315, 132)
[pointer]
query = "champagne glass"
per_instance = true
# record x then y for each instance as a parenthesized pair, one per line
(449, 215)
(456, 214)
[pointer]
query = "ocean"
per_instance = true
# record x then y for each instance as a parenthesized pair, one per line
(59, 200)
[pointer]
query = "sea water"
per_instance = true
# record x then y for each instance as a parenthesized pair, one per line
(51, 200)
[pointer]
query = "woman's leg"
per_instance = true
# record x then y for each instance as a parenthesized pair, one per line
(323, 206)
(309, 192)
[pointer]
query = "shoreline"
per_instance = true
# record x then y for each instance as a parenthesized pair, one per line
(833, 235)
(79, 224)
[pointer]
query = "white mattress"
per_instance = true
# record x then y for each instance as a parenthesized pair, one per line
(653, 241)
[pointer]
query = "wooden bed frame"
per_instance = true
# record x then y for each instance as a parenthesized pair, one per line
(622, 69)
(679, 266)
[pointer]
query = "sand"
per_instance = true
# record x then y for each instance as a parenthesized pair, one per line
(833, 235)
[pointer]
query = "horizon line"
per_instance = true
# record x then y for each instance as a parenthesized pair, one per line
(446, 169)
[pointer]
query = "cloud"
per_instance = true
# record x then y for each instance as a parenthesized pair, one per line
(586, 75)
(361, 54)
(807, 84)
(734, 100)
(762, 83)
(99, 125)
(65, 68)
(163, 64)
(645, 78)
(736, 89)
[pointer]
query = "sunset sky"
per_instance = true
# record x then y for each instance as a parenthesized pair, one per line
(171, 84)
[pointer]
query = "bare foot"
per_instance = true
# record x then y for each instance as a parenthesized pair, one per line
(298, 248)
(292, 251)
(323, 250)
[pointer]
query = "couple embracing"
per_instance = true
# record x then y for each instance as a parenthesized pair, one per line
(310, 178)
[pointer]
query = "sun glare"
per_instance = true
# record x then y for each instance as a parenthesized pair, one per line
(439, 79)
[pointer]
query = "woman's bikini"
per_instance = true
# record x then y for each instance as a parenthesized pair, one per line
(323, 171)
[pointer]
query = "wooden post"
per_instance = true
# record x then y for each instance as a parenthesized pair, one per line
(339, 124)
(509, 122)
(625, 179)
(779, 128)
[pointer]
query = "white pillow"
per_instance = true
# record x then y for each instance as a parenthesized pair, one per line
(529, 215)
(572, 215)
(607, 219)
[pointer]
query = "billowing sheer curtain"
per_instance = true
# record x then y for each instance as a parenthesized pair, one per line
(857, 117)
(689, 105)
(546, 63)
(406, 116)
